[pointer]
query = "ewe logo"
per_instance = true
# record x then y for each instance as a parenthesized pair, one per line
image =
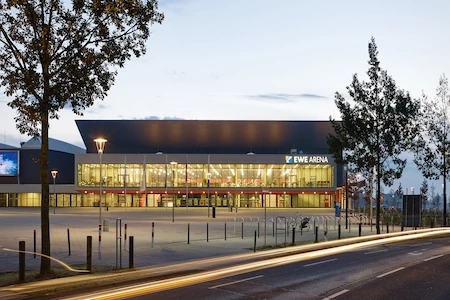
(305, 159)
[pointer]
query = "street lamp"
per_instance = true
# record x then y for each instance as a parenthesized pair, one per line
(413, 217)
(346, 197)
(100, 144)
(54, 173)
(174, 166)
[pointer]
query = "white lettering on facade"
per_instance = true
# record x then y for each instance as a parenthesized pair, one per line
(310, 160)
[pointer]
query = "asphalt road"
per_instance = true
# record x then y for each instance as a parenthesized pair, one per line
(407, 270)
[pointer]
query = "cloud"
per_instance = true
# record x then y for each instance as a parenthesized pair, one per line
(94, 109)
(289, 98)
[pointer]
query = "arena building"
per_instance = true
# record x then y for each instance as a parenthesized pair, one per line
(165, 163)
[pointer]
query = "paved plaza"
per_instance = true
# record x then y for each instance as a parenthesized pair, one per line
(170, 244)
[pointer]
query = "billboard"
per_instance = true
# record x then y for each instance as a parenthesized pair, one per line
(9, 163)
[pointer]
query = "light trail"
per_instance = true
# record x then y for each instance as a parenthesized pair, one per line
(172, 283)
(52, 258)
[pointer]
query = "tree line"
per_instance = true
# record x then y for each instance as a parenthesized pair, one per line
(380, 122)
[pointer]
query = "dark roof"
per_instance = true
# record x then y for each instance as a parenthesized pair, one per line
(209, 137)
(53, 144)
(7, 147)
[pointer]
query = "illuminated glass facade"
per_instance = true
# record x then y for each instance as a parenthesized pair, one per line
(248, 182)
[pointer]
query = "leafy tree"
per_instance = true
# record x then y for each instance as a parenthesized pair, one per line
(65, 54)
(432, 188)
(399, 193)
(433, 145)
(424, 194)
(377, 126)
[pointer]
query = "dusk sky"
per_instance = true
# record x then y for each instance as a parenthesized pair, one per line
(267, 60)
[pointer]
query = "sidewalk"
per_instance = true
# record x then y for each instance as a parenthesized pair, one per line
(170, 242)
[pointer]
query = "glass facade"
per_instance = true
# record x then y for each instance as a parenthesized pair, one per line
(243, 185)
(196, 175)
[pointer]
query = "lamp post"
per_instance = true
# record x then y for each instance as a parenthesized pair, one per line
(209, 182)
(445, 204)
(413, 217)
(346, 197)
(54, 173)
(100, 144)
(174, 166)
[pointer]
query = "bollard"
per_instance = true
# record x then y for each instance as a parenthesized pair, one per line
(258, 229)
(316, 229)
(34, 238)
(359, 229)
(339, 231)
(68, 239)
(207, 232)
(293, 235)
(225, 231)
(301, 229)
(22, 261)
(131, 253)
(89, 253)
(153, 232)
(387, 227)
(254, 243)
(242, 231)
(125, 237)
(118, 243)
(188, 234)
(99, 240)
(273, 228)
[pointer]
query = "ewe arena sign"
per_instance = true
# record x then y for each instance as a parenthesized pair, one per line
(306, 159)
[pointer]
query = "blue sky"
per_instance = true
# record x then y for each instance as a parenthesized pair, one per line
(267, 60)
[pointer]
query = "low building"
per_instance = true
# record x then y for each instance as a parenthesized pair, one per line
(162, 163)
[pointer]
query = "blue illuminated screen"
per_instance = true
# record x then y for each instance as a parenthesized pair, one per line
(9, 163)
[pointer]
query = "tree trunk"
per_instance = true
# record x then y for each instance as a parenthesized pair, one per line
(45, 220)
(378, 198)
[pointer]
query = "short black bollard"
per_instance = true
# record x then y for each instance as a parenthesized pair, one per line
(254, 243)
(131, 252)
(293, 235)
(34, 239)
(225, 231)
(339, 231)
(188, 233)
(301, 229)
(387, 227)
(359, 229)
(213, 211)
(68, 239)
(317, 234)
(22, 261)
(89, 253)
(258, 230)
(242, 230)
(403, 226)
(273, 228)
(207, 232)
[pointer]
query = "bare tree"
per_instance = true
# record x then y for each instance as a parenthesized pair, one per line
(433, 145)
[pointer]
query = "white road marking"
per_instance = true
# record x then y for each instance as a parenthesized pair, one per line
(417, 245)
(376, 251)
(390, 272)
(415, 253)
(433, 257)
(238, 281)
(336, 295)
(320, 262)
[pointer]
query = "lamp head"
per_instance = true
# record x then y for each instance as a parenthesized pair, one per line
(100, 144)
(54, 173)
